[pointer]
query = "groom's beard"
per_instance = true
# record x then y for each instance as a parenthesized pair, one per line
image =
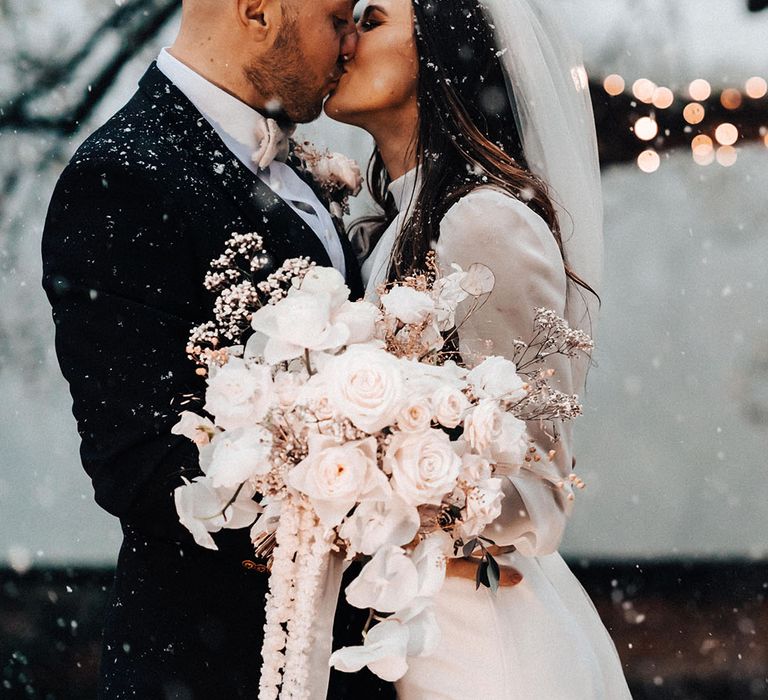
(285, 78)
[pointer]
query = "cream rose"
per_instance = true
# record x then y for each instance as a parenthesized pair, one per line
(239, 395)
(496, 378)
(337, 476)
(424, 466)
(366, 386)
(449, 406)
(415, 417)
(483, 425)
(408, 305)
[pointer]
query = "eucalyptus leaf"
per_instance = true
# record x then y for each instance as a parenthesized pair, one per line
(493, 573)
(481, 575)
(469, 547)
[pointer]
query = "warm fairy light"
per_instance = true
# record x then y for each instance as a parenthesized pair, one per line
(648, 161)
(727, 155)
(731, 98)
(699, 90)
(765, 140)
(726, 134)
(702, 157)
(663, 97)
(643, 90)
(702, 144)
(646, 128)
(693, 113)
(756, 88)
(614, 84)
(703, 150)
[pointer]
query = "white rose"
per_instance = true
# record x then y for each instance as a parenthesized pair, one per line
(483, 506)
(326, 280)
(449, 406)
(483, 425)
(239, 455)
(239, 395)
(387, 583)
(415, 417)
(424, 466)
(375, 524)
(301, 321)
(496, 378)
(366, 386)
(474, 468)
(198, 429)
(337, 476)
(360, 318)
(408, 305)
(201, 509)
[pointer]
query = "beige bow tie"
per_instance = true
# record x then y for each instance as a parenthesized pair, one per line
(273, 140)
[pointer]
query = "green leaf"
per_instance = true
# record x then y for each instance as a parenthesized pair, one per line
(481, 575)
(493, 573)
(469, 547)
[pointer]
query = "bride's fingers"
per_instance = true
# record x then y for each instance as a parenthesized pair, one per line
(467, 568)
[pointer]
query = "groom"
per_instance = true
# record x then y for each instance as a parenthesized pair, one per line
(142, 208)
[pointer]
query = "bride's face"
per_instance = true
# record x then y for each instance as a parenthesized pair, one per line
(379, 82)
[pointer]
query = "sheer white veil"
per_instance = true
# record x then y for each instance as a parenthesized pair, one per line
(549, 92)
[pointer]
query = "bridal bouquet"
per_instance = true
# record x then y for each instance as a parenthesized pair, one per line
(363, 436)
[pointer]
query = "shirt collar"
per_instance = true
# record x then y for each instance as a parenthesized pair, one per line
(241, 127)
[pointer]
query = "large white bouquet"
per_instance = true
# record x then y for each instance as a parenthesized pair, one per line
(363, 435)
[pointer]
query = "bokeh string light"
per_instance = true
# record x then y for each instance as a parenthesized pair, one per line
(714, 123)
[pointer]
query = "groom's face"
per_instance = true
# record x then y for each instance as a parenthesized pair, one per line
(305, 61)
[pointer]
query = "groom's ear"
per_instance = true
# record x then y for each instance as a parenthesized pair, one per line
(261, 16)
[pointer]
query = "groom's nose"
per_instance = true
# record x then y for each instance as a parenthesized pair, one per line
(348, 44)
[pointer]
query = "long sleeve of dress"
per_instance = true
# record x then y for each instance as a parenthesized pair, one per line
(490, 227)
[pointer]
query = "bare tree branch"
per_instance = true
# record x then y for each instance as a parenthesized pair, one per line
(137, 22)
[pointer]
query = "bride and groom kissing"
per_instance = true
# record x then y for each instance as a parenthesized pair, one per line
(451, 92)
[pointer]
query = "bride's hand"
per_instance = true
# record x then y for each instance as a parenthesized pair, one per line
(467, 568)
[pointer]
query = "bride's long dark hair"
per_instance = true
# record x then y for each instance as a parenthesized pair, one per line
(466, 136)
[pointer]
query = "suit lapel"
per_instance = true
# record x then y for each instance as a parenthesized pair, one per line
(280, 226)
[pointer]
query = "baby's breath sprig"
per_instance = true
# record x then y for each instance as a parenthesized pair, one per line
(232, 277)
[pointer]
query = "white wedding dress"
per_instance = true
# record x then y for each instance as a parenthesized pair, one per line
(542, 639)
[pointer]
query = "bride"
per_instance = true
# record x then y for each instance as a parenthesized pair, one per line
(485, 150)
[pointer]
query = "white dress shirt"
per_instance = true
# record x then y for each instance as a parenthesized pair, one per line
(235, 123)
